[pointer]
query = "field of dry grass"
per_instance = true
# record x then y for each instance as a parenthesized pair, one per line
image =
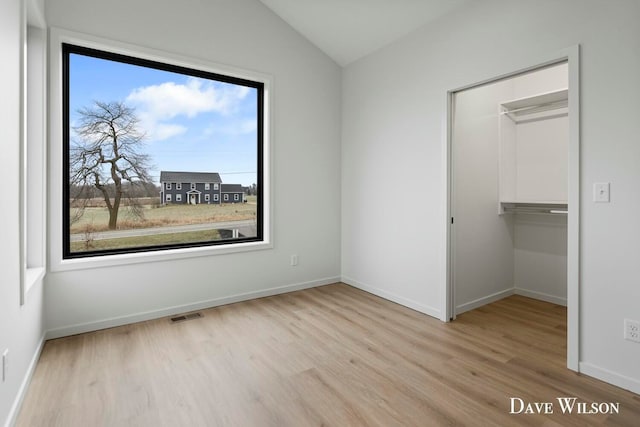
(96, 219)
(140, 241)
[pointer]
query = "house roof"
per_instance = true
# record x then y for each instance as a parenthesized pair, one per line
(167, 176)
(231, 188)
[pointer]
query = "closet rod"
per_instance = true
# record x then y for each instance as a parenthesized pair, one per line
(532, 210)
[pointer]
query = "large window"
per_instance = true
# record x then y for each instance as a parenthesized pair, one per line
(131, 128)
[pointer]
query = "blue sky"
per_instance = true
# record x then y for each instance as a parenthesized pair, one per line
(192, 124)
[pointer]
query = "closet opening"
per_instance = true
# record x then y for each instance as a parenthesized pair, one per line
(513, 189)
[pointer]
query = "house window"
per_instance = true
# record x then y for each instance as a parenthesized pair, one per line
(207, 186)
(236, 197)
(119, 140)
(226, 197)
(216, 198)
(216, 186)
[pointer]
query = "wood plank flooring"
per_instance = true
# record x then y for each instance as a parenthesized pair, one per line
(331, 356)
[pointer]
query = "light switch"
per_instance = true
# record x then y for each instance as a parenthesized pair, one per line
(601, 192)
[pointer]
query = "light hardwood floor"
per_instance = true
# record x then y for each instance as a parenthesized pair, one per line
(332, 356)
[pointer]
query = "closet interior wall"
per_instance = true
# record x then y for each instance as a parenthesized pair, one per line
(496, 255)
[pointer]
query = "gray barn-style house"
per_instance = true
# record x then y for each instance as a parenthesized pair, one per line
(195, 188)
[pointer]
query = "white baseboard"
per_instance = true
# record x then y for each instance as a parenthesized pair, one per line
(610, 377)
(169, 311)
(433, 312)
(484, 300)
(17, 403)
(541, 296)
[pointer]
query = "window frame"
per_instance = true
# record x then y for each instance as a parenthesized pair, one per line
(178, 197)
(207, 186)
(57, 112)
(207, 198)
(236, 197)
(167, 186)
(32, 223)
(178, 186)
(225, 197)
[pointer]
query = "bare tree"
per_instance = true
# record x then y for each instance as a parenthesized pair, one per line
(106, 154)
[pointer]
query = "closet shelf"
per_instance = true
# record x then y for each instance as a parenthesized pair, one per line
(537, 207)
(544, 105)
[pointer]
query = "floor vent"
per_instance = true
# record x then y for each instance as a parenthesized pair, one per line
(184, 317)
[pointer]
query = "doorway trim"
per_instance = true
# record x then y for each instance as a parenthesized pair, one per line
(571, 55)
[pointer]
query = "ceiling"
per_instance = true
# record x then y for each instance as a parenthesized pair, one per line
(347, 30)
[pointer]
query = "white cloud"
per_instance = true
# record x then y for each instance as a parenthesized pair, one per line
(165, 131)
(157, 105)
(238, 127)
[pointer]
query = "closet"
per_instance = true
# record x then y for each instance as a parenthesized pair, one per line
(509, 189)
(533, 144)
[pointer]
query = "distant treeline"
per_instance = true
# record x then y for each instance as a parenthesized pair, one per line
(139, 190)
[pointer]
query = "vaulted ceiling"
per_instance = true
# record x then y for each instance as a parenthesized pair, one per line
(347, 30)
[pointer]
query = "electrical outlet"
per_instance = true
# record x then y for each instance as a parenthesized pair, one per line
(5, 364)
(294, 260)
(631, 330)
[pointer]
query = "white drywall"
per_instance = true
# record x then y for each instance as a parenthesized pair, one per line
(306, 159)
(21, 327)
(394, 127)
(483, 240)
(540, 257)
(542, 157)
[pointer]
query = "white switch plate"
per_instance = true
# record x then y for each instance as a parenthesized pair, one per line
(294, 260)
(601, 192)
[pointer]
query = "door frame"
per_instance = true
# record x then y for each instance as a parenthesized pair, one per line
(571, 55)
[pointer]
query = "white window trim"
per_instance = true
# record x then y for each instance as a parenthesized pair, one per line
(207, 186)
(193, 185)
(33, 149)
(178, 186)
(225, 197)
(215, 186)
(207, 198)
(167, 198)
(216, 198)
(178, 197)
(167, 186)
(57, 263)
(236, 197)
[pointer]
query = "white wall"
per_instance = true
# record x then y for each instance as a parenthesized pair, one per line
(394, 105)
(306, 159)
(20, 326)
(540, 257)
(483, 240)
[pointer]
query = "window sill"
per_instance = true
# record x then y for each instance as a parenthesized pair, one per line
(156, 256)
(31, 277)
